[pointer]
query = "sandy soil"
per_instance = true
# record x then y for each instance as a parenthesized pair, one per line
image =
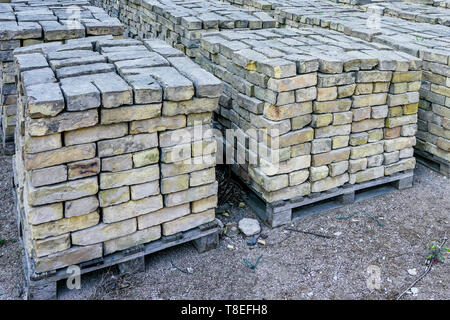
(293, 265)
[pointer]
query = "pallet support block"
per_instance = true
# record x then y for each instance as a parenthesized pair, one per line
(404, 183)
(348, 196)
(41, 291)
(278, 219)
(132, 266)
(206, 243)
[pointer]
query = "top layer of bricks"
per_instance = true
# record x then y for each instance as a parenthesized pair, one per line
(419, 11)
(152, 70)
(208, 14)
(55, 20)
(412, 37)
(414, 12)
(435, 3)
(272, 4)
(337, 52)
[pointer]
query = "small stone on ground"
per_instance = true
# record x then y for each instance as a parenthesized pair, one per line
(249, 227)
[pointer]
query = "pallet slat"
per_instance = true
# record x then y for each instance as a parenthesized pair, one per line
(434, 163)
(287, 211)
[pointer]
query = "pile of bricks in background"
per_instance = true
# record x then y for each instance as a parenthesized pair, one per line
(413, 12)
(363, 2)
(396, 8)
(25, 23)
(398, 5)
(429, 42)
(107, 157)
(337, 102)
(270, 5)
(262, 5)
(435, 3)
(181, 23)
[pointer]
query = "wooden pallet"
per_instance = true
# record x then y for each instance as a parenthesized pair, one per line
(433, 162)
(43, 286)
(8, 146)
(283, 212)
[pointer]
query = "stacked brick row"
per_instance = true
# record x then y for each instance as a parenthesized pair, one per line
(270, 5)
(114, 147)
(363, 2)
(429, 42)
(263, 5)
(318, 109)
(435, 3)
(412, 12)
(25, 23)
(181, 23)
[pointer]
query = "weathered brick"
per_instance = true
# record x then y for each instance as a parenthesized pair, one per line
(103, 232)
(65, 225)
(129, 177)
(62, 192)
(188, 222)
(163, 215)
(190, 195)
(132, 209)
(134, 239)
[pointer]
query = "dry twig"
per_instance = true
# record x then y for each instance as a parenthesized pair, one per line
(427, 270)
(312, 233)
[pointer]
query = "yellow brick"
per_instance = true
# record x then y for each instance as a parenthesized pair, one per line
(396, 111)
(410, 108)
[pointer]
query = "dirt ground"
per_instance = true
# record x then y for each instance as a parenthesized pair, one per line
(292, 265)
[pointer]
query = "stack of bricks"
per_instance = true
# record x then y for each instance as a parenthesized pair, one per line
(25, 23)
(429, 42)
(181, 23)
(385, 107)
(343, 110)
(114, 148)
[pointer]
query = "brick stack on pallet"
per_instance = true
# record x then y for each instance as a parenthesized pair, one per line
(114, 150)
(25, 23)
(337, 102)
(181, 23)
(429, 42)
